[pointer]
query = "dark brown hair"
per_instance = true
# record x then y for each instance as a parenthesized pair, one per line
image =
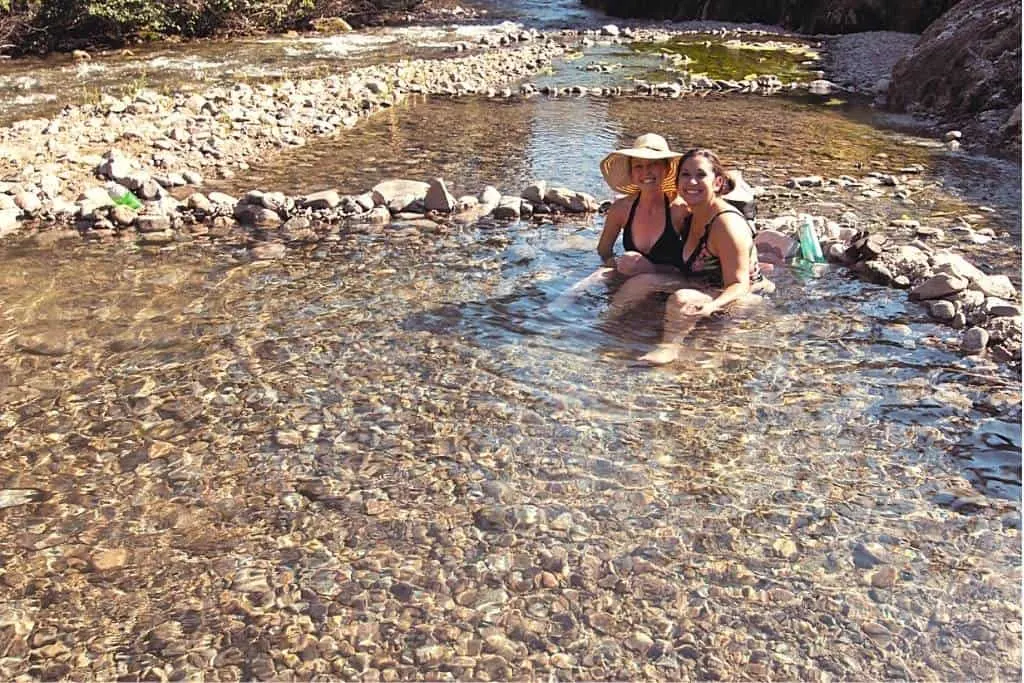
(728, 185)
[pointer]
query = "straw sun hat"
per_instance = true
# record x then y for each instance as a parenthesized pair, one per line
(615, 166)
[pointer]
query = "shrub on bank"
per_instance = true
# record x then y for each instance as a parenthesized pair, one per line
(44, 25)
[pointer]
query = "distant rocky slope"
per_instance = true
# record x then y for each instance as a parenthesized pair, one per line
(966, 70)
(806, 16)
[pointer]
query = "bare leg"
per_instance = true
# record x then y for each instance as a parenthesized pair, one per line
(639, 287)
(599, 276)
(678, 323)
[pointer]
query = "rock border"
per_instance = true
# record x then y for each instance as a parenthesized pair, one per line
(216, 130)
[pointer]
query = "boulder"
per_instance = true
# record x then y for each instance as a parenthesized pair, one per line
(378, 215)
(252, 214)
(122, 215)
(28, 202)
(9, 221)
(938, 287)
(997, 307)
(535, 191)
(221, 199)
(996, 285)
(942, 310)
(326, 199)
(966, 70)
(570, 200)
(439, 198)
(489, 198)
(197, 201)
(956, 265)
(93, 198)
(975, 340)
(152, 223)
(398, 195)
(775, 247)
(509, 208)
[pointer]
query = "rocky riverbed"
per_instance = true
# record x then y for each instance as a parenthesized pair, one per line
(353, 440)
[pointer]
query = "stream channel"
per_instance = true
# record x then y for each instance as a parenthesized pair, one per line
(214, 450)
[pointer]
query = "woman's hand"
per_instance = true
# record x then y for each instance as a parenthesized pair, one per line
(698, 310)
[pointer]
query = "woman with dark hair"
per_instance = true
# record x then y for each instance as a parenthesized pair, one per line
(717, 251)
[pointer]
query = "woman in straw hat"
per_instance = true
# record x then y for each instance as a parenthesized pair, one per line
(646, 216)
(718, 254)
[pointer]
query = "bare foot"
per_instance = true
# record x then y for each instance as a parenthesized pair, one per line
(661, 355)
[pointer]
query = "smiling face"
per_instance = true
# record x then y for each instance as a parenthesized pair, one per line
(698, 181)
(647, 174)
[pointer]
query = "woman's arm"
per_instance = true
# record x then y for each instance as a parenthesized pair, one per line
(730, 241)
(613, 222)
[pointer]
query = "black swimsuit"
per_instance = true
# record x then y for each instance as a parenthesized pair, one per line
(669, 247)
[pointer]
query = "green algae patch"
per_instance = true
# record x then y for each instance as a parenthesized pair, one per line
(733, 59)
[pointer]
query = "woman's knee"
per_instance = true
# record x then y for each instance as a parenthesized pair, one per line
(683, 297)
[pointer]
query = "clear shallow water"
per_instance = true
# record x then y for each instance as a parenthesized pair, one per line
(207, 432)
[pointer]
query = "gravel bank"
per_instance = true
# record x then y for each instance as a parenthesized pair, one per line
(861, 60)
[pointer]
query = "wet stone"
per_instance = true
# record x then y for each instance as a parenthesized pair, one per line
(50, 343)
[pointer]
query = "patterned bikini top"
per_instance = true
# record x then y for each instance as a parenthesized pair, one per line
(702, 263)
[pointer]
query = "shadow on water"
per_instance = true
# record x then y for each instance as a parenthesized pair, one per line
(829, 355)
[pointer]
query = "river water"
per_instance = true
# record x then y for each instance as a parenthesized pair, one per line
(174, 401)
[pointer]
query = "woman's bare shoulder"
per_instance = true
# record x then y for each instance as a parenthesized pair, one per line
(732, 225)
(620, 208)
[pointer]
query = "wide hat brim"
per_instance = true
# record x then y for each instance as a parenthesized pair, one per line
(615, 168)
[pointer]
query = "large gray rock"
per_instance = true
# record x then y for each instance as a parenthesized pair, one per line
(535, 191)
(9, 221)
(942, 309)
(975, 340)
(956, 265)
(938, 287)
(28, 202)
(508, 208)
(966, 69)
(252, 214)
(326, 199)
(570, 200)
(398, 195)
(996, 285)
(489, 198)
(439, 198)
(221, 199)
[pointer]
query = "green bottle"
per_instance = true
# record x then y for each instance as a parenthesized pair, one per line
(123, 196)
(810, 249)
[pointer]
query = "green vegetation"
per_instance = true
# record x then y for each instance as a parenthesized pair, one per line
(733, 60)
(43, 25)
